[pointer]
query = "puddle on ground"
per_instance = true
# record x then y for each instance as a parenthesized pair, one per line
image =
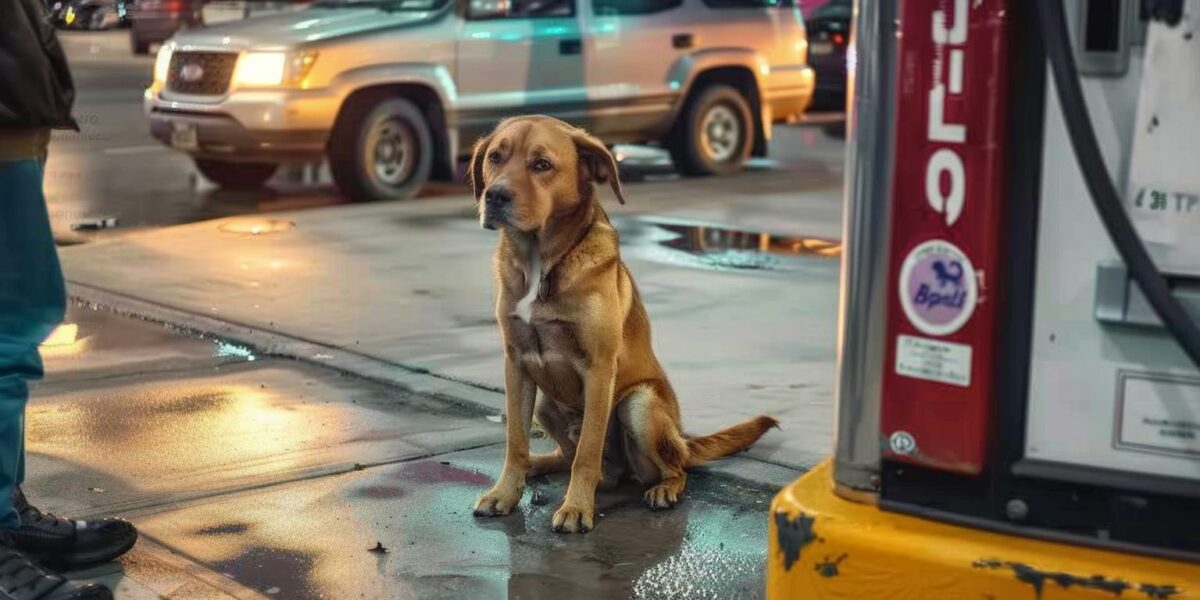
(722, 248)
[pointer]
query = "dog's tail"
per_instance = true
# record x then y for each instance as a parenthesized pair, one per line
(727, 441)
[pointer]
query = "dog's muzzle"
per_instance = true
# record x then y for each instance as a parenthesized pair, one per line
(497, 207)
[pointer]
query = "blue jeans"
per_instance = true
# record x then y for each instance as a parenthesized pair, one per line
(32, 304)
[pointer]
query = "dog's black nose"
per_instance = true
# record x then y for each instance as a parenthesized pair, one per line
(498, 195)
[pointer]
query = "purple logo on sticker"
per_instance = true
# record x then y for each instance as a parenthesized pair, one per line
(938, 288)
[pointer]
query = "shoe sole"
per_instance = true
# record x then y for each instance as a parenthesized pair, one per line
(79, 560)
(95, 593)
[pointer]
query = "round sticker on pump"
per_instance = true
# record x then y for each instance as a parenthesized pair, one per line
(938, 288)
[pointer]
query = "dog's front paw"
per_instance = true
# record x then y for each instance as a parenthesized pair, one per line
(497, 502)
(573, 519)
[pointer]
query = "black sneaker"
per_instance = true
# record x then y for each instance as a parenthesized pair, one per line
(22, 579)
(68, 543)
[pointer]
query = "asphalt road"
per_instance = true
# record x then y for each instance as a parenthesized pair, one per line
(114, 168)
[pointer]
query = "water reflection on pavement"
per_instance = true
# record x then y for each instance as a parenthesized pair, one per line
(301, 482)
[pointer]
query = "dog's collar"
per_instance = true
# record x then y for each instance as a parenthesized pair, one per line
(579, 237)
(551, 266)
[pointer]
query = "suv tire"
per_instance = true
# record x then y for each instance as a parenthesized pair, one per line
(381, 151)
(236, 175)
(715, 133)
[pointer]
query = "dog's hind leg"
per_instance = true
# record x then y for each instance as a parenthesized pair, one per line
(615, 463)
(658, 450)
(557, 425)
(669, 453)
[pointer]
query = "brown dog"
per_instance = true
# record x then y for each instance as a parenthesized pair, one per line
(574, 327)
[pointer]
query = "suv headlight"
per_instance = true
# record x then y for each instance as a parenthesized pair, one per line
(162, 62)
(271, 69)
(260, 69)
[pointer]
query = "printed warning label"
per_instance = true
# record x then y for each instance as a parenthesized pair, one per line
(933, 360)
(1159, 414)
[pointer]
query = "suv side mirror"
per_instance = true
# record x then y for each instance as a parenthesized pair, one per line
(488, 9)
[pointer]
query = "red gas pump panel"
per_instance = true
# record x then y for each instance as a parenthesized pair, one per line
(946, 232)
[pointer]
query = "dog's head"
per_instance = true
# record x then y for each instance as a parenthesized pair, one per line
(532, 168)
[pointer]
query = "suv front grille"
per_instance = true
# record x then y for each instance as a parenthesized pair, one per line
(201, 73)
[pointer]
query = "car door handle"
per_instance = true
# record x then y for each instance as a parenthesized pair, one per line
(683, 40)
(570, 46)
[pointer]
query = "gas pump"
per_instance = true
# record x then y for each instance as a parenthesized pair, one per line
(1019, 357)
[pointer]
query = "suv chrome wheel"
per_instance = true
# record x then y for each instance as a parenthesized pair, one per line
(720, 132)
(714, 134)
(392, 145)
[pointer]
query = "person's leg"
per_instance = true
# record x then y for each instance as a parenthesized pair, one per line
(32, 302)
(13, 392)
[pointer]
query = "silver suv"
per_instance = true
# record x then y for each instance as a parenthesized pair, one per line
(393, 92)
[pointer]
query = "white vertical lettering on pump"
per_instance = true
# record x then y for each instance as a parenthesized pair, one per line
(946, 160)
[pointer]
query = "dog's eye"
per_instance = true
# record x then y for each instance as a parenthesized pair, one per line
(541, 165)
(494, 157)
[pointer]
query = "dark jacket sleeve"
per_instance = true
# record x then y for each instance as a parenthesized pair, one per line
(35, 82)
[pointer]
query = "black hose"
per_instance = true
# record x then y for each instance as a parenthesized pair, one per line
(1103, 192)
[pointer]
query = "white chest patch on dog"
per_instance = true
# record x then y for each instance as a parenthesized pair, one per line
(533, 278)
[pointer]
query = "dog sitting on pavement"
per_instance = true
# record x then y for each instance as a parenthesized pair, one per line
(574, 327)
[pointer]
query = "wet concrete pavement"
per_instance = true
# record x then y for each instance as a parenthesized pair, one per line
(314, 539)
(236, 426)
(252, 476)
(408, 286)
(98, 344)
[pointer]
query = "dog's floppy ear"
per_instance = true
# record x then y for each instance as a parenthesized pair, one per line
(597, 163)
(475, 169)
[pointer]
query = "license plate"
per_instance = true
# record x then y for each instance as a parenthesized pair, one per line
(223, 12)
(822, 48)
(183, 136)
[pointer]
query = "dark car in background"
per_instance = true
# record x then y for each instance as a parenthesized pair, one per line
(155, 21)
(828, 38)
(90, 14)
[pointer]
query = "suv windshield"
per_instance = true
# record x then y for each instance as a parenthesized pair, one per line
(382, 4)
